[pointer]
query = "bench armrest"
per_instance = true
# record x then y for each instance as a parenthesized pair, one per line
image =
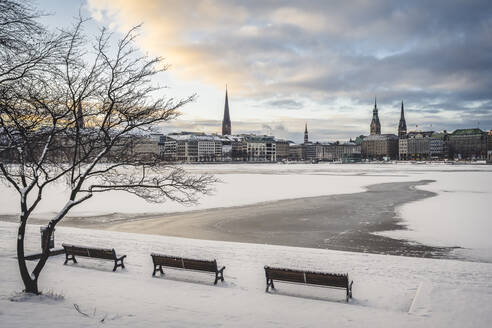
(221, 269)
(121, 258)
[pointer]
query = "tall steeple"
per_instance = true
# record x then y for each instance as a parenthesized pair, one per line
(306, 138)
(375, 125)
(226, 122)
(402, 127)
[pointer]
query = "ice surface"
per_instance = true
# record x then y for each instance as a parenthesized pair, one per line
(458, 216)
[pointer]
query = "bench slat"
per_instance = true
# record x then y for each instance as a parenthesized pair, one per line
(307, 277)
(327, 280)
(291, 276)
(161, 260)
(77, 251)
(200, 265)
(184, 263)
(167, 261)
(101, 253)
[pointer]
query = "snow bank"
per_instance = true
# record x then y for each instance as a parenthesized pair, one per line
(451, 293)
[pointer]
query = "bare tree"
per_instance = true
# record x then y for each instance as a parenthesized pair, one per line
(78, 120)
(26, 46)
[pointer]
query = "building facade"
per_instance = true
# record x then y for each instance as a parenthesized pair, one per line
(415, 146)
(295, 152)
(468, 144)
(260, 148)
(282, 149)
(378, 147)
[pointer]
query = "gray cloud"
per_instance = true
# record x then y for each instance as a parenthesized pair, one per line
(285, 104)
(434, 55)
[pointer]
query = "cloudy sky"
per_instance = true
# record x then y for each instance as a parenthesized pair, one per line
(321, 62)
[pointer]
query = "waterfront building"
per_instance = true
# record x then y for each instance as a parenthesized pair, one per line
(336, 152)
(489, 141)
(260, 148)
(377, 145)
(146, 146)
(381, 146)
(418, 147)
(295, 152)
(468, 144)
(310, 151)
(167, 149)
(438, 145)
(403, 148)
(282, 149)
(192, 147)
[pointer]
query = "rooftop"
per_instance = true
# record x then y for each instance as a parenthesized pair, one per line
(467, 131)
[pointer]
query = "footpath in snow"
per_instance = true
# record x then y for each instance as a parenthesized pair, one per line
(389, 291)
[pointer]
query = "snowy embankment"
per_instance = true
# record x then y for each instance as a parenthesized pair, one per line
(438, 293)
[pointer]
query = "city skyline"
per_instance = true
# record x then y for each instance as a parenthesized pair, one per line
(320, 63)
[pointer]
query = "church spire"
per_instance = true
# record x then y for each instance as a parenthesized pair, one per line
(402, 126)
(306, 138)
(375, 125)
(226, 122)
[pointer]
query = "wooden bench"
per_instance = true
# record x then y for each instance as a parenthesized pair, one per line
(186, 264)
(309, 278)
(99, 253)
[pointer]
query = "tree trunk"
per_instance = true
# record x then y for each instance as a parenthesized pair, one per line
(31, 285)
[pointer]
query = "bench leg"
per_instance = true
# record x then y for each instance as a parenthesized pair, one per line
(349, 293)
(116, 264)
(219, 275)
(269, 284)
(69, 258)
(157, 267)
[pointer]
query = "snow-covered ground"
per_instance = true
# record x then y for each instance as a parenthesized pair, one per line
(389, 291)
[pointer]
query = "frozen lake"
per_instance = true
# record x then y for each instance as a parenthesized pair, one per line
(457, 216)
